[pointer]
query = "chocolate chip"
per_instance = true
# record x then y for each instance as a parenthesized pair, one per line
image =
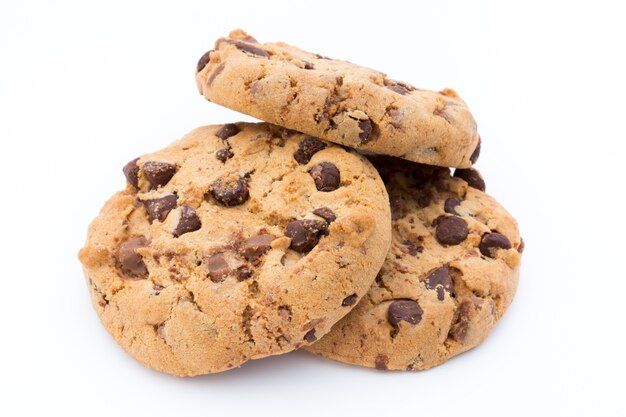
(451, 230)
(307, 147)
(413, 248)
(243, 273)
(308, 66)
(449, 206)
(215, 73)
(404, 310)
(326, 214)
(305, 234)
(158, 173)
(463, 318)
(471, 177)
(521, 246)
(440, 280)
(349, 300)
(366, 130)
(223, 154)
(204, 59)
(398, 87)
(492, 241)
(256, 246)
(251, 49)
(230, 193)
(218, 267)
(476, 153)
(131, 261)
(189, 221)
(227, 131)
(131, 172)
(159, 208)
(381, 362)
(326, 176)
(310, 336)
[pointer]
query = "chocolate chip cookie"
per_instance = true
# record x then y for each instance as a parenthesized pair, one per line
(449, 276)
(338, 101)
(236, 242)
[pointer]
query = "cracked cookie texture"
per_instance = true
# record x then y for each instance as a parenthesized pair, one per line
(236, 242)
(449, 276)
(338, 101)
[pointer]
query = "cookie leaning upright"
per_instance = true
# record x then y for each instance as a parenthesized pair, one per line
(234, 243)
(450, 274)
(338, 101)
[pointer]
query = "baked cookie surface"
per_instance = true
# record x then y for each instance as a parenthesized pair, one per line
(449, 276)
(338, 101)
(236, 242)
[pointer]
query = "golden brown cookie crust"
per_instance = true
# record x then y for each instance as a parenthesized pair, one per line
(431, 300)
(338, 101)
(231, 287)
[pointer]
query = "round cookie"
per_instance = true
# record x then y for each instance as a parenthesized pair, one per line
(449, 276)
(338, 101)
(234, 243)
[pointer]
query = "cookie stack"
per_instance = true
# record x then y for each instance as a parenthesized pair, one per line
(336, 226)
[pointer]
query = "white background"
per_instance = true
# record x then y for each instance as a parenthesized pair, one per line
(86, 87)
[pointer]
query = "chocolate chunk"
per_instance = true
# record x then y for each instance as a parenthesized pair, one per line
(223, 154)
(476, 153)
(204, 59)
(463, 318)
(381, 362)
(440, 280)
(227, 131)
(251, 49)
(349, 300)
(310, 336)
(215, 73)
(413, 248)
(230, 193)
(307, 147)
(159, 208)
(326, 176)
(449, 206)
(243, 273)
(256, 246)
(398, 87)
(218, 267)
(451, 230)
(308, 66)
(130, 261)
(471, 177)
(326, 214)
(305, 234)
(521, 246)
(189, 221)
(158, 173)
(131, 172)
(366, 130)
(404, 310)
(492, 241)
